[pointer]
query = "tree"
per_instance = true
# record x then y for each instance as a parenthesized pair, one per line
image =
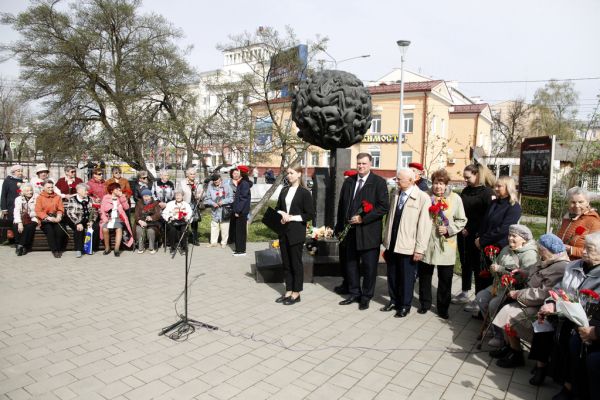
(556, 108)
(14, 121)
(510, 126)
(264, 98)
(100, 62)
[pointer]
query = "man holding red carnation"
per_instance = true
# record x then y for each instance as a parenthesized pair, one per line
(363, 204)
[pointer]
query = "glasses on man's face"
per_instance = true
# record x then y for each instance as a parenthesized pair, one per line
(116, 173)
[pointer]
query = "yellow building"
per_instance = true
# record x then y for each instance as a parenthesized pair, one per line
(437, 132)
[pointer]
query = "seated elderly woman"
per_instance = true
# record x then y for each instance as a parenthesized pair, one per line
(147, 221)
(178, 214)
(577, 367)
(114, 218)
(516, 317)
(580, 221)
(81, 215)
(24, 218)
(521, 253)
(49, 209)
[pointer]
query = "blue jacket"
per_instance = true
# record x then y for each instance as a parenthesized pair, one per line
(241, 201)
(211, 199)
(494, 227)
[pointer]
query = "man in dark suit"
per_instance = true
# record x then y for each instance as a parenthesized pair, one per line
(364, 238)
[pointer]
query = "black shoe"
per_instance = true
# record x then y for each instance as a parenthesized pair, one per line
(19, 250)
(117, 253)
(501, 352)
(56, 254)
(512, 360)
(364, 305)
(25, 251)
(422, 310)
(564, 394)
(388, 307)
(402, 312)
(105, 252)
(341, 290)
(349, 300)
(538, 376)
(443, 314)
(477, 316)
(173, 252)
(281, 299)
(288, 301)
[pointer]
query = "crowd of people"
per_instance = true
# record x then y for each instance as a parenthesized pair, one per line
(123, 213)
(516, 277)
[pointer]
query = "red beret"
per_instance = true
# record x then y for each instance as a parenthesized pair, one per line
(416, 165)
(350, 172)
(243, 169)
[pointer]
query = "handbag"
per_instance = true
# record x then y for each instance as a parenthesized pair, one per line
(178, 222)
(226, 212)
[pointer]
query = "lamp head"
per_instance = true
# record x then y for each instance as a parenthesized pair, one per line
(403, 46)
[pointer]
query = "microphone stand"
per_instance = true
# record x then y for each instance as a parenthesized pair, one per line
(185, 324)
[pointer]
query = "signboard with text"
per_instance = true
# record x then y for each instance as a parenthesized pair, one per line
(535, 166)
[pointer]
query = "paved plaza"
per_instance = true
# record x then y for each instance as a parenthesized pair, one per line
(87, 329)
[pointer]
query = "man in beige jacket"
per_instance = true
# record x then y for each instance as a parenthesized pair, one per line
(407, 234)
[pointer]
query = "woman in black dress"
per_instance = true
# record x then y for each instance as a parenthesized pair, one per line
(295, 205)
(241, 209)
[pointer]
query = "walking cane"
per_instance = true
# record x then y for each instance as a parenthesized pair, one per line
(488, 319)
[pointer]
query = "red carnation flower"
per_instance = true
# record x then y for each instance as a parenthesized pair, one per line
(510, 332)
(18, 191)
(96, 206)
(367, 207)
(589, 293)
(485, 274)
(434, 209)
(580, 230)
(350, 172)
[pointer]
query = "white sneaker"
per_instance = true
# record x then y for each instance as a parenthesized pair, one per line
(78, 254)
(472, 307)
(495, 342)
(141, 251)
(461, 298)
(239, 254)
(211, 245)
(152, 251)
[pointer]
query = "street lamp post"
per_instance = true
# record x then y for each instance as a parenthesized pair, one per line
(336, 62)
(403, 46)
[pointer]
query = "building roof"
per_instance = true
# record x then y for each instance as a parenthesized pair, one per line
(469, 108)
(408, 87)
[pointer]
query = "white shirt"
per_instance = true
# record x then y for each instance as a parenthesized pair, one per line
(288, 203)
(364, 180)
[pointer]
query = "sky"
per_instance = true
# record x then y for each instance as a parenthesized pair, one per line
(470, 41)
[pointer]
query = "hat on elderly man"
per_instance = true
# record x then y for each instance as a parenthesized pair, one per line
(146, 192)
(520, 230)
(552, 243)
(41, 168)
(15, 167)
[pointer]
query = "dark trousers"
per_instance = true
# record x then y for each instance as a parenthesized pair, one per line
(25, 238)
(401, 275)
(291, 256)
(241, 232)
(585, 368)
(369, 259)
(444, 289)
(175, 234)
(54, 234)
(469, 262)
(343, 265)
(231, 238)
(79, 236)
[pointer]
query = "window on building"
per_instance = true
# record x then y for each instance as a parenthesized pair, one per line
(406, 158)
(443, 127)
(408, 122)
(314, 159)
(375, 152)
(327, 158)
(376, 124)
(433, 121)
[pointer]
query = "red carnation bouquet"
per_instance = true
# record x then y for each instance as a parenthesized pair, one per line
(579, 231)
(577, 308)
(364, 209)
(436, 210)
(490, 252)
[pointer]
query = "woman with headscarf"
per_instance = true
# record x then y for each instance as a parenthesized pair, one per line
(147, 221)
(579, 221)
(516, 317)
(114, 218)
(25, 219)
(448, 218)
(520, 253)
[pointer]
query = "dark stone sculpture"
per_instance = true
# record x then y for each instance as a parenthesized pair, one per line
(332, 109)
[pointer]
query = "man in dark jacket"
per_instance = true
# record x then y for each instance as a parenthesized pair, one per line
(364, 238)
(10, 188)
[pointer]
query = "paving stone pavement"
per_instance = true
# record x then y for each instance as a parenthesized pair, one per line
(87, 329)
